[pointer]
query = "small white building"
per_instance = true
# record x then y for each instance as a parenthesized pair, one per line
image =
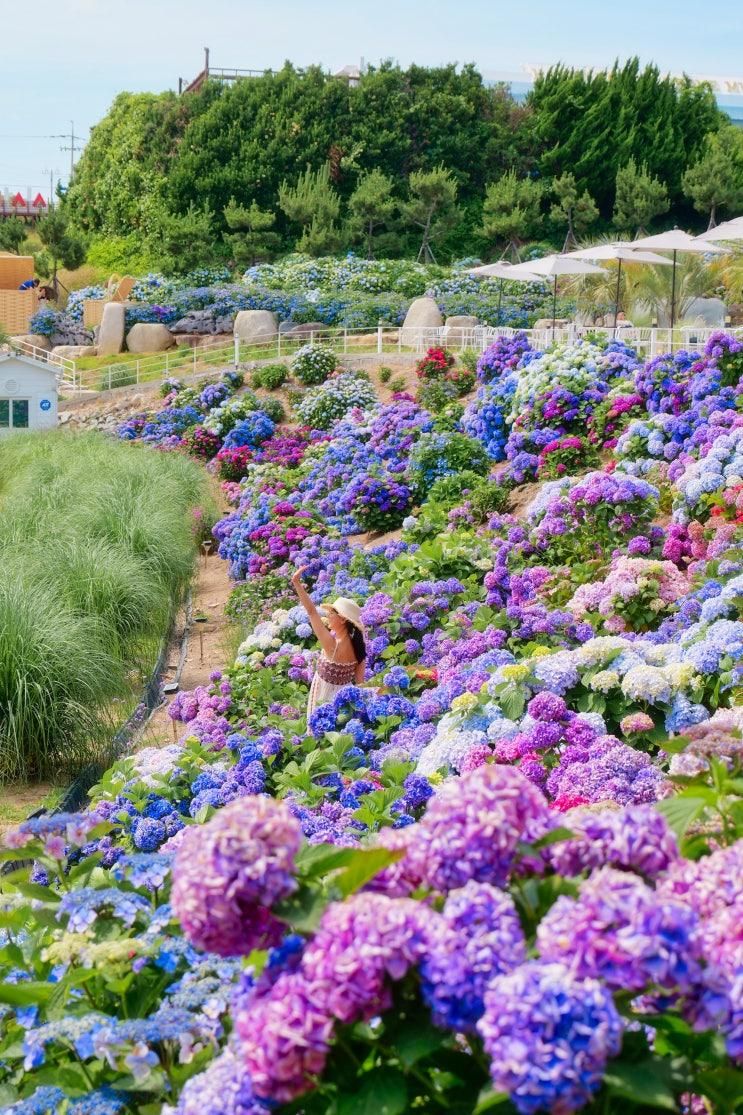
(28, 393)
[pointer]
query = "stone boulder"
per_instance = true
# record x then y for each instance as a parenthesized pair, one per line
(203, 322)
(75, 335)
(546, 323)
(423, 314)
(38, 340)
(149, 338)
(112, 329)
(306, 329)
(460, 327)
(256, 325)
(74, 352)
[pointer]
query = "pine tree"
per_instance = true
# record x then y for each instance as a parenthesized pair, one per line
(639, 197)
(431, 207)
(252, 236)
(371, 207)
(314, 205)
(511, 211)
(578, 209)
(716, 179)
(62, 244)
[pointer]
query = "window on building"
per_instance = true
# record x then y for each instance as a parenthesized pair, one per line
(13, 414)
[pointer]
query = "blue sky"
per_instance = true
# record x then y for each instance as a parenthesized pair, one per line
(81, 53)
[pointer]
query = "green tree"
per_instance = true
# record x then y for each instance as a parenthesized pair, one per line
(371, 207)
(591, 124)
(431, 207)
(511, 211)
(639, 198)
(715, 181)
(62, 244)
(314, 205)
(579, 210)
(252, 236)
(183, 241)
(12, 234)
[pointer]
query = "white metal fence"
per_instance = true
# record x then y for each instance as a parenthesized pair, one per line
(382, 341)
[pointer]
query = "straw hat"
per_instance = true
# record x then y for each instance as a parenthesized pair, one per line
(350, 611)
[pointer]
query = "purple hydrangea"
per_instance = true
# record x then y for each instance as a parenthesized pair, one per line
(478, 936)
(636, 838)
(549, 1035)
(620, 931)
(224, 1088)
(473, 825)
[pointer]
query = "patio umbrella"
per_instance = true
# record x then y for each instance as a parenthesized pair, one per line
(502, 270)
(551, 267)
(619, 251)
(676, 240)
(728, 230)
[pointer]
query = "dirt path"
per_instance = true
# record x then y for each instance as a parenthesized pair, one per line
(208, 644)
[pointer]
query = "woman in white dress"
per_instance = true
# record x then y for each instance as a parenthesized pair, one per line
(340, 632)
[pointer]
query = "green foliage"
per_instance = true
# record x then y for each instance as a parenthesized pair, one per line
(123, 254)
(61, 243)
(431, 207)
(270, 376)
(385, 374)
(579, 210)
(511, 211)
(371, 206)
(96, 541)
(313, 364)
(184, 241)
(274, 408)
(639, 198)
(252, 236)
(12, 234)
(715, 181)
(314, 205)
(626, 112)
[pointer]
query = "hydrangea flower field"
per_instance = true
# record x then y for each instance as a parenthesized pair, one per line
(503, 875)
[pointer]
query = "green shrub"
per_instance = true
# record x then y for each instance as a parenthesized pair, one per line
(312, 364)
(97, 541)
(321, 406)
(118, 375)
(385, 374)
(468, 358)
(397, 384)
(274, 408)
(443, 453)
(436, 395)
(270, 376)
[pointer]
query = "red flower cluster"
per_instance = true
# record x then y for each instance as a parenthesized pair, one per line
(434, 364)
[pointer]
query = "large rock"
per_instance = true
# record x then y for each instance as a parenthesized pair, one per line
(145, 337)
(112, 329)
(74, 335)
(74, 352)
(306, 329)
(38, 340)
(460, 327)
(203, 322)
(256, 325)
(423, 314)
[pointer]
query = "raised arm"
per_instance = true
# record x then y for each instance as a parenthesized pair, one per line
(325, 639)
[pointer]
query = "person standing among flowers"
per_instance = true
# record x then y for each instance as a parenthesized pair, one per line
(340, 632)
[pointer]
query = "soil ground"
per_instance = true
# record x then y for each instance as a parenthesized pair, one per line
(209, 646)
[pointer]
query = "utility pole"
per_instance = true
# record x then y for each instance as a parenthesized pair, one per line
(51, 172)
(72, 147)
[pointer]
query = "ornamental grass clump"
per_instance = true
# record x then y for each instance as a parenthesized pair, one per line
(96, 543)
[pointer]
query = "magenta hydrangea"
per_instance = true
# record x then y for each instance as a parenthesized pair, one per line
(285, 1038)
(228, 873)
(362, 944)
(549, 1035)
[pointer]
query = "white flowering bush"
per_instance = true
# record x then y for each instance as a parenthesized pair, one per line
(312, 364)
(322, 405)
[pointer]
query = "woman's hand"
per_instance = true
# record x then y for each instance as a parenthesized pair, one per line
(297, 576)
